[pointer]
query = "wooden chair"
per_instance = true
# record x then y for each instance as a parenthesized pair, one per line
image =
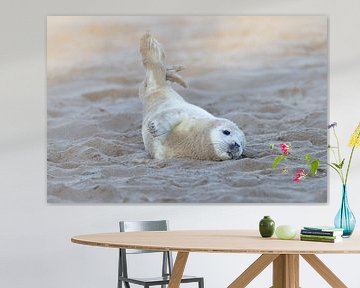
(167, 262)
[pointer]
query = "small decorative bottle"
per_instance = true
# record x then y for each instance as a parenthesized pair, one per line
(266, 227)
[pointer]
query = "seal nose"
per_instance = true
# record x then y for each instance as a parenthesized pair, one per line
(234, 147)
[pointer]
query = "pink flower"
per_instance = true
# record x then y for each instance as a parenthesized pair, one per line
(300, 174)
(285, 148)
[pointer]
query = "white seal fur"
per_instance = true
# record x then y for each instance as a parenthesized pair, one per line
(174, 128)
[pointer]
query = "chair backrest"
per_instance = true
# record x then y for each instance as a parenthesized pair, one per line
(134, 226)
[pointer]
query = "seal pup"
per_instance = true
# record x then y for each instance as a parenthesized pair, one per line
(174, 128)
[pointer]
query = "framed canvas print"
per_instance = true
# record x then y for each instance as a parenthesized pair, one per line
(187, 109)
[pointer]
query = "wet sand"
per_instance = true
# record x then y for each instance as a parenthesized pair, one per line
(266, 74)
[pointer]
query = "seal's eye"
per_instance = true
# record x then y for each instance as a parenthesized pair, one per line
(226, 132)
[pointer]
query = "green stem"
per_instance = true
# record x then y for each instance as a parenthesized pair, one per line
(337, 171)
(333, 152)
(338, 146)
(348, 167)
(339, 162)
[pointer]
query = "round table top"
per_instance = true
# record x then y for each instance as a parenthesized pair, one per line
(217, 241)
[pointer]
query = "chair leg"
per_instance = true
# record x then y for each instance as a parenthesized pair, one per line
(201, 283)
(120, 273)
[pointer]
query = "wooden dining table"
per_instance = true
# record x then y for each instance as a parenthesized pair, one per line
(283, 254)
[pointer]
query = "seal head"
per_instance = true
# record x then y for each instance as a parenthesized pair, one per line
(227, 139)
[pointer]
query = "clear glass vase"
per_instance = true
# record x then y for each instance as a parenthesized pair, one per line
(345, 219)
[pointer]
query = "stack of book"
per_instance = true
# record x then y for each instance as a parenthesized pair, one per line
(321, 234)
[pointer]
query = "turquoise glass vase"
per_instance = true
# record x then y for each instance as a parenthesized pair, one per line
(345, 219)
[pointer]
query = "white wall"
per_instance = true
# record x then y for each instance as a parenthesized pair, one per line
(35, 248)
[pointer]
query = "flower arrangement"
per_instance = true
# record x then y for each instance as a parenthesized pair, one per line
(313, 164)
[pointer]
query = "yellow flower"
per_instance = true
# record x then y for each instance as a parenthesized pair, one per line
(355, 137)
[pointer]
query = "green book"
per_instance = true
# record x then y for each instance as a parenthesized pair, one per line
(319, 236)
(338, 239)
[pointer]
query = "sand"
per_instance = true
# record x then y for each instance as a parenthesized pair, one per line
(267, 74)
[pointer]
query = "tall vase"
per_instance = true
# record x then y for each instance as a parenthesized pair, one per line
(345, 219)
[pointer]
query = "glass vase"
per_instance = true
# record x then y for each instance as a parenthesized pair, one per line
(345, 219)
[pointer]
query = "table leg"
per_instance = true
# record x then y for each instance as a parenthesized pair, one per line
(253, 270)
(286, 271)
(178, 269)
(324, 271)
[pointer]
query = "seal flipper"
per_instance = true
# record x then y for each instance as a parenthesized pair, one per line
(158, 128)
(153, 58)
(162, 124)
(174, 77)
(153, 129)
